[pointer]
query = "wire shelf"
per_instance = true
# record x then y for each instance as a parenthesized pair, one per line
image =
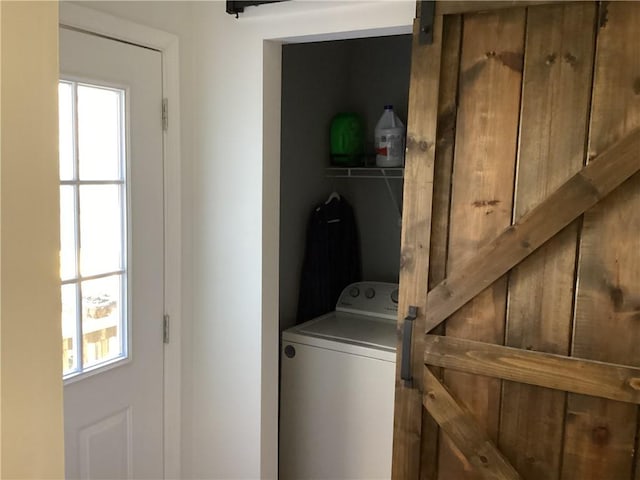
(364, 172)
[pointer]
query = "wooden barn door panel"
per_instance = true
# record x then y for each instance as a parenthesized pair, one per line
(520, 99)
(443, 170)
(601, 434)
(416, 236)
(481, 198)
(554, 117)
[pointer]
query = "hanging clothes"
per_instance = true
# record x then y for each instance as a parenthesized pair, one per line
(332, 258)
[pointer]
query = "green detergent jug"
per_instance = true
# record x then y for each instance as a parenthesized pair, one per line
(347, 140)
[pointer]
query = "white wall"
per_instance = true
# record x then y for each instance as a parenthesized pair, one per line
(30, 367)
(231, 149)
(242, 57)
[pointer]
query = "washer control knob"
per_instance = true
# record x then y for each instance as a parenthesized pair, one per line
(394, 296)
(369, 293)
(290, 351)
(354, 292)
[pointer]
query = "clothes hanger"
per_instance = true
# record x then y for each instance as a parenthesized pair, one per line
(333, 196)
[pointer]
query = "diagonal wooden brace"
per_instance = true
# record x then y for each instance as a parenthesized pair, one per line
(463, 430)
(581, 192)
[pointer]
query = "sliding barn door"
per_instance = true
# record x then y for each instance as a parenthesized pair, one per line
(521, 246)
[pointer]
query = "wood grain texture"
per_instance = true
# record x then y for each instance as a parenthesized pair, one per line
(416, 236)
(600, 434)
(463, 430)
(559, 372)
(578, 194)
(482, 192)
(637, 459)
(556, 94)
(465, 6)
(452, 33)
(447, 109)
(636, 476)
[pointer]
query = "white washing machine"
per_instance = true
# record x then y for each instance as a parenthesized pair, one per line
(337, 389)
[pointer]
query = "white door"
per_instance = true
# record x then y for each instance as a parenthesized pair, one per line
(112, 266)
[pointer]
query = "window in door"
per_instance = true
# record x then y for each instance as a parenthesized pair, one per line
(93, 226)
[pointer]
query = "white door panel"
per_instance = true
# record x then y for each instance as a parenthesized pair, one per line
(114, 417)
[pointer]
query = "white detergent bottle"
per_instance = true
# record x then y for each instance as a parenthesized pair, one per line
(389, 139)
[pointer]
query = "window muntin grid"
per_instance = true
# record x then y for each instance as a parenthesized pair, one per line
(93, 226)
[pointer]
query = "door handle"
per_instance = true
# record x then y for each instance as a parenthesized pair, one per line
(405, 368)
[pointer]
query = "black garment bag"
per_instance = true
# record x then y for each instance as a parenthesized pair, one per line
(332, 258)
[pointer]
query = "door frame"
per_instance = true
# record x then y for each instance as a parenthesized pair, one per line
(271, 114)
(103, 24)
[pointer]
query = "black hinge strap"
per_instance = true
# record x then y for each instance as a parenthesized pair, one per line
(427, 18)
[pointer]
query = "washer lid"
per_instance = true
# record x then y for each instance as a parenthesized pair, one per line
(350, 328)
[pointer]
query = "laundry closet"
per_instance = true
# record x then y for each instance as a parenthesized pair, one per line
(320, 80)
(338, 356)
